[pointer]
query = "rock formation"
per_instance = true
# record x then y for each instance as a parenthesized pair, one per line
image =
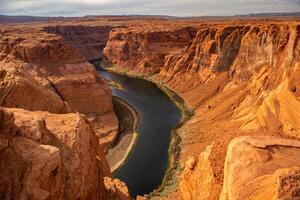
(269, 166)
(51, 156)
(239, 77)
(17, 88)
(54, 76)
(260, 167)
(90, 40)
(239, 80)
(198, 178)
(143, 49)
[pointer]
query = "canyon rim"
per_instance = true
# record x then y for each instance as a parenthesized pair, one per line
(229, 128)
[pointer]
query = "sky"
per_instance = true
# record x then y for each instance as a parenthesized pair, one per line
(145, 7)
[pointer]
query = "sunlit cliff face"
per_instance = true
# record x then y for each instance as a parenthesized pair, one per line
(144, 7)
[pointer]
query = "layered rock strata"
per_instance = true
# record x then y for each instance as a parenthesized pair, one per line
(256, 167)
(42, 71)
(239, 78)
(52, 156)
(90, 40)
(143, 49)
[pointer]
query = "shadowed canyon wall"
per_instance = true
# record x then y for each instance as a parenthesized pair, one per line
(144, 48)
(90, 40)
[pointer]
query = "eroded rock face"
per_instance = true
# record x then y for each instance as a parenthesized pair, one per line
(237, 79)
(53, 156)
(143, 49)
(116, 189)
(262, 168)
(20, 90)
(59, 79)
(197, 180)
(35, 46)
(50, 156)
(89, 39)
(236, 76)
(240, 78)
(256, 167)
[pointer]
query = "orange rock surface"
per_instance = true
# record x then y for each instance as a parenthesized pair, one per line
(262, 168)
(46, 72)
(51, 156)
(143, 48)
(239, 78)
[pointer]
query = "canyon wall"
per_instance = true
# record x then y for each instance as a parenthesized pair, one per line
(240, 78)
(52, 156)
(90, 40)
(56, 120)
(42, 71)
(142, 49)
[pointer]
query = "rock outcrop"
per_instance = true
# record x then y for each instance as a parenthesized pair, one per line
(198, 178)
(256, 167)
(51, 156)
(17, 89)
(262, 168)
(55, 77)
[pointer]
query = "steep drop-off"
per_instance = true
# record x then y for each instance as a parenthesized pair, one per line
(90, 40)
(239, 77)
(52, 156)
(142, 49)
(42, 71)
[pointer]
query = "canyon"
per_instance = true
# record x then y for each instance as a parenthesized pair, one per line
(239, 81)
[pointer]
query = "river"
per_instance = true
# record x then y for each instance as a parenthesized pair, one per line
(146, 165)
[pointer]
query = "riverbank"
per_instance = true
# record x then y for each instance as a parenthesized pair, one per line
(127, 135)
(170, 179)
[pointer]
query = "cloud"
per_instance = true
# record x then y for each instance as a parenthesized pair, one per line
(166, 7)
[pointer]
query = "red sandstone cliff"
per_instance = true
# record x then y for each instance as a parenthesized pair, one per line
(256, 167)
(90, 40)
(143, 48)
(240, 78)
(44, 72)
(45, 155)
(52, 156)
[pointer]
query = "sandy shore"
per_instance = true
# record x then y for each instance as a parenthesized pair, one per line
(128, 120)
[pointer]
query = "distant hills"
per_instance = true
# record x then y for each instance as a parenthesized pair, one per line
(22, 19)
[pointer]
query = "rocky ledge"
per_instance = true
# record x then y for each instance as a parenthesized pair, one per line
(52, 156)
(42, 71)
(256, 167)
